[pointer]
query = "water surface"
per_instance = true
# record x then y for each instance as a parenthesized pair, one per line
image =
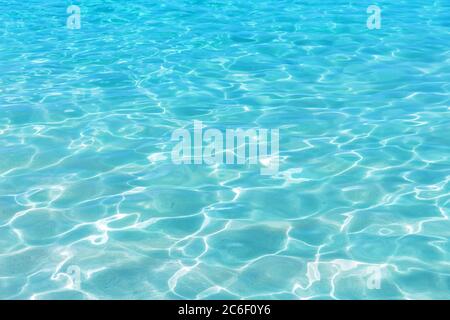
(87, 185)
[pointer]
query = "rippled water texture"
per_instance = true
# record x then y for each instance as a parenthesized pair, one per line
(91, 205)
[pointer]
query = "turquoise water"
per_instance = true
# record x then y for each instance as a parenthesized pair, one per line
(92, 207)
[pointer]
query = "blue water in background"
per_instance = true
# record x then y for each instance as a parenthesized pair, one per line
(92, 207)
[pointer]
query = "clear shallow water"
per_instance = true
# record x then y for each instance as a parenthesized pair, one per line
(87, 183)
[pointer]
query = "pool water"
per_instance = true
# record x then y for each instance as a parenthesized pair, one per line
(93, 207)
